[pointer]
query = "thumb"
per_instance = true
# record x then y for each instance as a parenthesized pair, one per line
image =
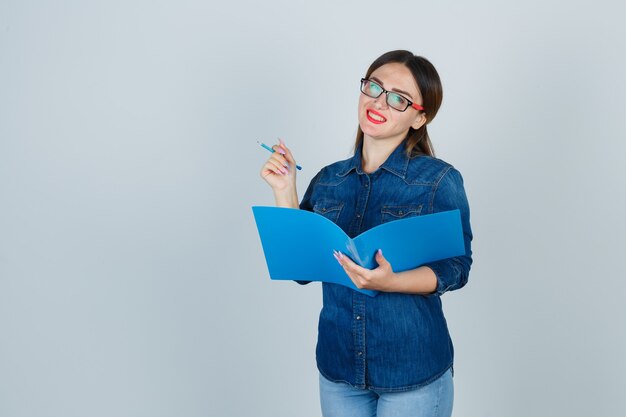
(381, 259)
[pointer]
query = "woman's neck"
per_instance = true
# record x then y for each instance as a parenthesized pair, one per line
(375, 153)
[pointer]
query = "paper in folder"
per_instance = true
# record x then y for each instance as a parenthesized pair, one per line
(299, 244)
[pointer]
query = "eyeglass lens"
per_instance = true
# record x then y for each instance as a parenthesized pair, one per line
(374, 90)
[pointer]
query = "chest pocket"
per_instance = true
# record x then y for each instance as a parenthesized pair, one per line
(391, 213)
(328, 209)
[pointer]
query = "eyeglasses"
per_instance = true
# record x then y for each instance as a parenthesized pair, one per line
(394, 100)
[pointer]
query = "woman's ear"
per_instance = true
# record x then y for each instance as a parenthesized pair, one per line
(420, 120)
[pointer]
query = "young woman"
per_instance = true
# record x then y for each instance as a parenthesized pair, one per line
(389, 355)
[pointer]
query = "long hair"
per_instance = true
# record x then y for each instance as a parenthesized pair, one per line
(417, 141)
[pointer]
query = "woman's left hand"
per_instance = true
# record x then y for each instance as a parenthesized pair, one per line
(380, 278)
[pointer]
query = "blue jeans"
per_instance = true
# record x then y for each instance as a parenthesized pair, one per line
(342, 400)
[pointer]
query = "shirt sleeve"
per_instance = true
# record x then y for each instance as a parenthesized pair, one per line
(449, 194)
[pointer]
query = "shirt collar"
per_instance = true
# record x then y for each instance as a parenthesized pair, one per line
(397, 163)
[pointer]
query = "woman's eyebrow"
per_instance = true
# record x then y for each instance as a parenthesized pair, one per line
(397, 90)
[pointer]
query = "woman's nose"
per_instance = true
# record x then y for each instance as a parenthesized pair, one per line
(381, 101)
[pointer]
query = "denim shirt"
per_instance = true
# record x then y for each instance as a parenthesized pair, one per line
(391, 342)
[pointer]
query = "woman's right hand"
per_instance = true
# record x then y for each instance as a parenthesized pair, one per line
(280, 173)
(280, 169)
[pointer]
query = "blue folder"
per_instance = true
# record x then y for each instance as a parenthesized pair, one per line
(299, 244)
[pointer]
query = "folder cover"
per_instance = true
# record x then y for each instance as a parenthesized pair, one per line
(298, 244)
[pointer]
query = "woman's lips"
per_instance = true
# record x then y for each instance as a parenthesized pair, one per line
(375, 117)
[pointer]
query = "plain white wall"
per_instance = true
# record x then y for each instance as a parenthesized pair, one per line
(132, 281)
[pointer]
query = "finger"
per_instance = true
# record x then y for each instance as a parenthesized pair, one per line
(279, 150)
(278, 166)
(283, 151)
(288, 154)
(271, 168)
(280, 158)
(352, 277)
(350, 266)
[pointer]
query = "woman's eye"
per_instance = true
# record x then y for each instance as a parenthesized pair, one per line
(396, 99)
(375, 88)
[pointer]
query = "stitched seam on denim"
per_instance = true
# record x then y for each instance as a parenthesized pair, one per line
(436, 187)
(458, 270)
(396, 173)
(367, 199)
(440, 279)
(364, 341)
(343, 174)
(335, 210)
(402, 173)
(354, 163)
(358, 303)
(423, 184)
(443, 166)
(331, 380)
(323, 172)
(350, 165)
(390, 213)
(410, 387)
(333, 184)
(415, 208)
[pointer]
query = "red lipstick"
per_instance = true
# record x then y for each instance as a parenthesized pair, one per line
(368, 111)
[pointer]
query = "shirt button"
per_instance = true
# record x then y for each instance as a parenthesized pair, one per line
(358, 216)
(366, 185)
(360, 353)
(358, 317)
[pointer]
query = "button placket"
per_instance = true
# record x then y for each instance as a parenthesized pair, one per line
(361, 205)
(358, 308)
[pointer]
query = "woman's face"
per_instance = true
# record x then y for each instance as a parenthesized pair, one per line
(378, 121)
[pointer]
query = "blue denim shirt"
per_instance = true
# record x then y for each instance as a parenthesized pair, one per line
(391, 342)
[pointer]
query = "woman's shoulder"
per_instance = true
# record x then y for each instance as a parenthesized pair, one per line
(424, 169)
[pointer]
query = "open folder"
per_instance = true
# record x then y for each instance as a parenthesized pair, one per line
(299, 244)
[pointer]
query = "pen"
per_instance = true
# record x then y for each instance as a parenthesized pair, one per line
(272, 150)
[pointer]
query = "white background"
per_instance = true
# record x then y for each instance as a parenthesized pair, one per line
(132, 281)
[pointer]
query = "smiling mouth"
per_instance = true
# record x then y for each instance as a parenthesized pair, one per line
(375, 117)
